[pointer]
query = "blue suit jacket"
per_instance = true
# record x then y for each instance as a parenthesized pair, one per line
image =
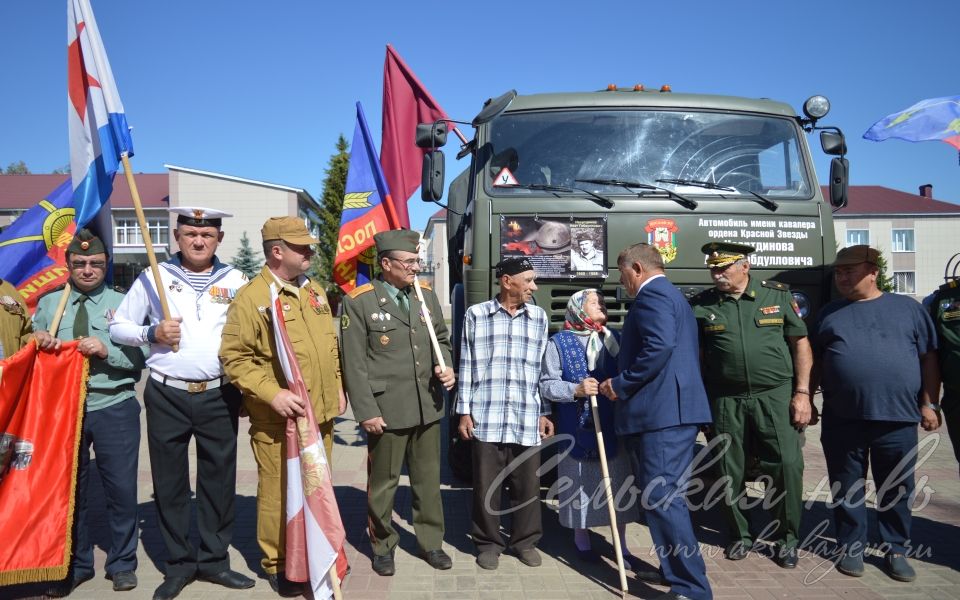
(659, 384)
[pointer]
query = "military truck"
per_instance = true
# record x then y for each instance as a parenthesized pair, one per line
(570, 179)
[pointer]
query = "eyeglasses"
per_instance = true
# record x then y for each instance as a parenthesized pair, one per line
(408, 263)
(78, 265)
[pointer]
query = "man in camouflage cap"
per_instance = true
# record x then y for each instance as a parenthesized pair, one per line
(393, 381)
(756, 362)
(112, 413)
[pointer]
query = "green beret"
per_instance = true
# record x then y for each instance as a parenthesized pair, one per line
(84, 243)
(403, 240)
(721, 254)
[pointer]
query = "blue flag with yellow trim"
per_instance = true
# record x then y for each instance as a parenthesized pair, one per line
(935, 119)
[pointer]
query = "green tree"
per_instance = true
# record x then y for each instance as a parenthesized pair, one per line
(247, 259)
(331, 207)
(17, 168)
(884, 282)
(64, 170)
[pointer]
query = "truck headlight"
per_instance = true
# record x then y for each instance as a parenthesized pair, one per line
(803, 303)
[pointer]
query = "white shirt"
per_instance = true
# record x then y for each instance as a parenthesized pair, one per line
(203, 313)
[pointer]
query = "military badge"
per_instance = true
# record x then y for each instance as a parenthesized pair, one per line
(770, 310)
(262, 310)
(317, 303)
(662, 235)
(715, 328)
(221, 295)
(423, 319)
(796, 308)
(176, 286)
(344, 321)
(286, 308)
(384, 340)
(374, 316)
(11, 306)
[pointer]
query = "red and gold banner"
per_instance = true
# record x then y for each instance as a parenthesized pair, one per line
(41, 410)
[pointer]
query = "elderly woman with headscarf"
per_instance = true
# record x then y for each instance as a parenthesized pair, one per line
(576, 360)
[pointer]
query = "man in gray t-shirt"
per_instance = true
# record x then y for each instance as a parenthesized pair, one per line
(875, 354)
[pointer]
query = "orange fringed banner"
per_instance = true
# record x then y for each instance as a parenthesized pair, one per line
(41, 410)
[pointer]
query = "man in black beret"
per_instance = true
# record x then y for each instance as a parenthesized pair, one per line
(112, 413)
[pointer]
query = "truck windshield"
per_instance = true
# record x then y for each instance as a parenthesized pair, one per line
(747, 153)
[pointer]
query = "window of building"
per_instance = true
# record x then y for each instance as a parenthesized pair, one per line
(127, 232)
(903, 241)
(856, 237)
(904, 282)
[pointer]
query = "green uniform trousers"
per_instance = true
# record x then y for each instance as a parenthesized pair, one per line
(420, 448)
(270, 452)
(951, 412)
(761, 422)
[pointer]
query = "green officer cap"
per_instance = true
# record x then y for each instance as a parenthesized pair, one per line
(403, 240)
(84, 243)
(721, 254)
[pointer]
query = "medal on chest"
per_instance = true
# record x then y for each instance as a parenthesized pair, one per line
(221, 295)
(176, 286)
(317, 302)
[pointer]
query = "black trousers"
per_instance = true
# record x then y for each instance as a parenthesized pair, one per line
(496, 464)
(173, 417)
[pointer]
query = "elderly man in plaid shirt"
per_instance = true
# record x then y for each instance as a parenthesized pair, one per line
(504, 340)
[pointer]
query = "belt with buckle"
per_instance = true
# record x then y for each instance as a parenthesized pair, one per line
(193, 387)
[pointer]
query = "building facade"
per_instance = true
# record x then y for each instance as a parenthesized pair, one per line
(916, 234)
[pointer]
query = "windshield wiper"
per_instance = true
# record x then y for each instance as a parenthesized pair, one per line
(593, 196)
(766, 202)
(631, 185)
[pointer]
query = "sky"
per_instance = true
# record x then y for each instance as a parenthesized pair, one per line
(261, 90)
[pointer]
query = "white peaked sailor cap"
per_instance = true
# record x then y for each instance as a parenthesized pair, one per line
(199, 216)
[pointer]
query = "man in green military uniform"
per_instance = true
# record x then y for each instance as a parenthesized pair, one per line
(247, 350)
(945, 309)
(393, 382)
(759, 393)
(15, 326)
(111, 421)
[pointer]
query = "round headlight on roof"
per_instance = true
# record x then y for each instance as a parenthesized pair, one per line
(816, 107)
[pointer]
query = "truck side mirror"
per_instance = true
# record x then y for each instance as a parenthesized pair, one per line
(432, 135)
(833, 143)
(839, 176)
(431, 180)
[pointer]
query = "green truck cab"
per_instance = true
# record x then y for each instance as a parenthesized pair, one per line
(570, 179)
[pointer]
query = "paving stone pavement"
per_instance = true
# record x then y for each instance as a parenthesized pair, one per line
(936, 533)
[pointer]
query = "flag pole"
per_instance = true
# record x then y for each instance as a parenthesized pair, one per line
(148, 243)
(426, 317)
(61, 307)
(335, 582)
(608, 490)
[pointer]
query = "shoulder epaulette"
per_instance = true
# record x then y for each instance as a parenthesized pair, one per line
(59, 288)
(775, 285)
(363, 289)
(425, 285)
(950, 285)
(120, 289)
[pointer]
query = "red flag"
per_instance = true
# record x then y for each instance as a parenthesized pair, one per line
(315, 534)
(406, 103)
(41, 408)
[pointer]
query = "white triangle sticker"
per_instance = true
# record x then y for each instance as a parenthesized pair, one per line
(505, 179)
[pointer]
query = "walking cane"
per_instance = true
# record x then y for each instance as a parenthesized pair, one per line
(608, 490)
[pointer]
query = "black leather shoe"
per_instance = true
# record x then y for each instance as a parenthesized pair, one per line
(229, 579)
(383, 565)
(438, 559)
(644, 571)
(64, 588)
(171, 587)
(737, 550)
(787, 558)
(897, 567)
(284, 587)
(124, 581)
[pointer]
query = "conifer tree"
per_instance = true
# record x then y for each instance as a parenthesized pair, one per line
(331, 207)
(247, 259)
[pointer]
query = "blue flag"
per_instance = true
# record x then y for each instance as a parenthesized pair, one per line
(936, 119)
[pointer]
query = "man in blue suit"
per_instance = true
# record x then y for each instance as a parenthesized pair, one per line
(660, 404)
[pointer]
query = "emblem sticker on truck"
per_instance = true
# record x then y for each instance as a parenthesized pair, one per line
(662, 235)
(505, 179)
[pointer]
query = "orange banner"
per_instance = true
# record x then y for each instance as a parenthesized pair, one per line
(41, 410)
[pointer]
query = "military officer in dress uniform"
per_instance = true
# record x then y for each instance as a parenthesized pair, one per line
(188, 395)
(945, 310)
(248, 355)
(393, 383)
(756, 363)
(111, 414)
(15, 328)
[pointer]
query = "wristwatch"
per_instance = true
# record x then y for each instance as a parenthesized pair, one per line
(932, 406)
